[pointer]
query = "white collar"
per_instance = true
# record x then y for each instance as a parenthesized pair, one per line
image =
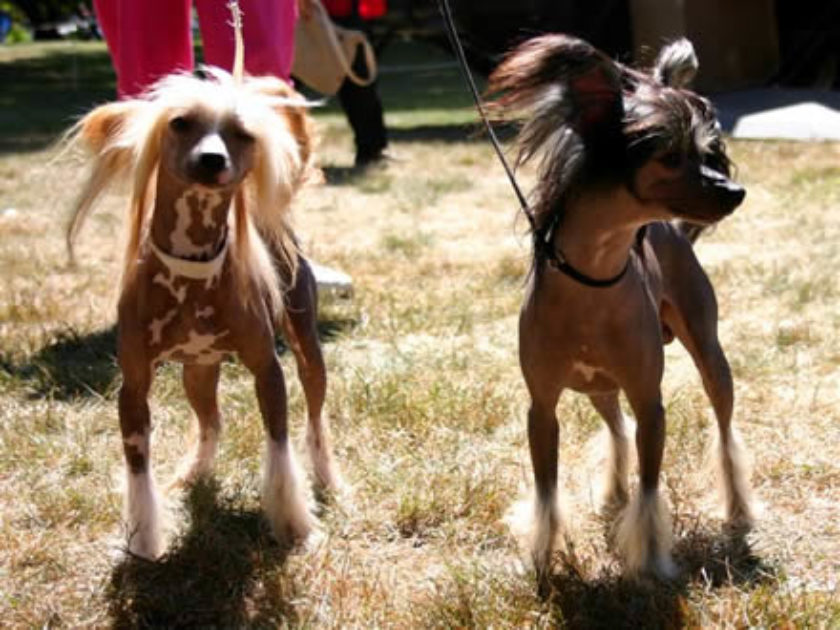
(192, 269)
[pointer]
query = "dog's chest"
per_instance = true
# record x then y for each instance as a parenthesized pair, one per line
(586, 372)
(570, 343)
(186, 322)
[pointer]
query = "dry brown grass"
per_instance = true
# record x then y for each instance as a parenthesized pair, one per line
(427, 408)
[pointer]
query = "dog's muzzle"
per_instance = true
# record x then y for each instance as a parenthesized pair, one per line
(729, 194)
(210, 163)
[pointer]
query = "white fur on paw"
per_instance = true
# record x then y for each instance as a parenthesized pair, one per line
(643, 536)
(614, 492)
(732, 470)
(316, 539)
(735, 481)
(539, 529)
(609, 465)
(144, 522)
(327, 476)
(199, 463)
(284, 502)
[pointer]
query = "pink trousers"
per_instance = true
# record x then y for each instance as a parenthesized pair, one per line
(151, 38)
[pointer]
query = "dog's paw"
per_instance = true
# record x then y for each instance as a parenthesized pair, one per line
(643, 537)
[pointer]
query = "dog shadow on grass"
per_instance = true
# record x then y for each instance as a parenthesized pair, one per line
(74, 365)
(224, 571)
(706, 559)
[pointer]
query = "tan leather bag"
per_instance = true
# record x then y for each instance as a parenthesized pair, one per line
(324, 53)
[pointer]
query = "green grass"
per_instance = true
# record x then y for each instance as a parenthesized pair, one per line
(425, 399)
(46, 87)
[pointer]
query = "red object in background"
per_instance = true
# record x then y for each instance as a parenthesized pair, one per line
(338, 8)
(372, 9)
(368, 9)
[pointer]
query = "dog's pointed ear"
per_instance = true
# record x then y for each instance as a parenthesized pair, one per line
(562, 77)
(676, 65)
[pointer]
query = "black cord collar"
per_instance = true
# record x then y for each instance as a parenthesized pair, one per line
(557, 260)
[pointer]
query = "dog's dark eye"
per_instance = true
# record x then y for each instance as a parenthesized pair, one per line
(243, 136)
(673, 159)
(180, 124)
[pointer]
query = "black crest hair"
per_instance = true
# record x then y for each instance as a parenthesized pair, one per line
(590, 121)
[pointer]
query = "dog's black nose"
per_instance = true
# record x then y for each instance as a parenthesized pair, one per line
(727, 191)
(730, 193)
(737, 196)
(212, 162)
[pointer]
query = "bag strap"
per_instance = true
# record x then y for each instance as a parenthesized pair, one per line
(356, 38)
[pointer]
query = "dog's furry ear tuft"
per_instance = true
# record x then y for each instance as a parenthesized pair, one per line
(101, 126)
(299, 122)
(558, 76)
(676, 65)
(100, 132)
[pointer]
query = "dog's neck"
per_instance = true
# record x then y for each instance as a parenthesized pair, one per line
(598, 231)
(189, 221)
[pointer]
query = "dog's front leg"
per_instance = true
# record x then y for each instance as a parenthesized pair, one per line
(283, 498)
(644, 531)
(543, 440)
(142, 504)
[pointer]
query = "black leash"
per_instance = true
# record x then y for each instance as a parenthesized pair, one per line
(445, 11)
(554, 258)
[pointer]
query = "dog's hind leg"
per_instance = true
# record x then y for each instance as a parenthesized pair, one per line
(284, 501)
(301, 331)
(200, 385)
(142, 503)
(698, 333)
(615, 491)
(734, 470)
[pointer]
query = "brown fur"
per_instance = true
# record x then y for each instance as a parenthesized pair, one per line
(210, 264)
(622, 156)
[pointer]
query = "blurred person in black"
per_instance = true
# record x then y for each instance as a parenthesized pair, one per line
(361, 104)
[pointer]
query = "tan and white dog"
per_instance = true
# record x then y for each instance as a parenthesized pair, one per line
(211, 269)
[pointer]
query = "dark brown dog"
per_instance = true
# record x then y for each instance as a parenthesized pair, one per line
(631, 165)
(211, 268)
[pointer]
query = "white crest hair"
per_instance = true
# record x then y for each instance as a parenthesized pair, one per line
(125, 139)
(239, 43)
(676, 65)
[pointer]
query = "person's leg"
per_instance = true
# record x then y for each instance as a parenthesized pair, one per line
(365, 115)
(268, 30)
(147, 40)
